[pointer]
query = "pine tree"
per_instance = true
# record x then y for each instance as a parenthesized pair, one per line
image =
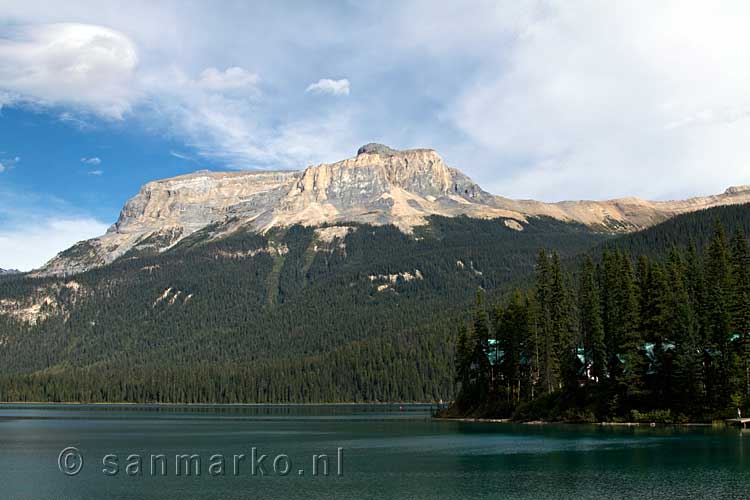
(719, 288)
(565, 342)
(480, 322)
(533, 348)
(686, 393)
(718, 308)
(611, 303)
(654, 308)
(464, 350)
(643, 283)
(481, 371)
(696, 287)
(740, 306)
(629, 379)
(592, 328)
(547, 356)
(513, 329)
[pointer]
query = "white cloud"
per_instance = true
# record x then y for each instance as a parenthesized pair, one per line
(546, 99)
(96, 172)
(2, 168)
(328, 86)
(230, 79)
(29, 246)
(94, 160)
(82, 65)
(219, 111)
(599, 100)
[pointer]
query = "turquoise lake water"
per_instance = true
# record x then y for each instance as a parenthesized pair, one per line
(386, 453)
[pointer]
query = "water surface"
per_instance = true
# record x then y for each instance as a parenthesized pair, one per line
(388, 452)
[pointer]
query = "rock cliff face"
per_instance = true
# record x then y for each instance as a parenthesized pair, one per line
(379, 186)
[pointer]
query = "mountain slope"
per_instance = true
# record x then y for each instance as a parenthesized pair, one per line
(695, 228)
(378, 186)
(299, 314)
(294, 314)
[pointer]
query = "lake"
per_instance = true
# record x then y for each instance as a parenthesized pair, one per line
(371, 452)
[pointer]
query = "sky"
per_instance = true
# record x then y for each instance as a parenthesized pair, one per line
(549, 100)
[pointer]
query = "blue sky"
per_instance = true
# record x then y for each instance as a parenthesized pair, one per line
(533, 99)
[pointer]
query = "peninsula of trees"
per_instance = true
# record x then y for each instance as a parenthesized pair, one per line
(621, 336)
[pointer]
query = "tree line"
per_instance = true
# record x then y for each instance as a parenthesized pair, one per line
(622, 336)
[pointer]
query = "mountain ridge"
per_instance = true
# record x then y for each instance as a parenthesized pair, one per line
(379, 185)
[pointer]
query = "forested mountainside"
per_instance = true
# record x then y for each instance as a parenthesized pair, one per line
(695, 228)
(656, 327)
(298, 314)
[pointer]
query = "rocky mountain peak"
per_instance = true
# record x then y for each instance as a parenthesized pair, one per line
(737, 189)
(380, 185)
(375, 148)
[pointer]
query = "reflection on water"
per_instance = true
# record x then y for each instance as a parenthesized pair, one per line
(390, 452)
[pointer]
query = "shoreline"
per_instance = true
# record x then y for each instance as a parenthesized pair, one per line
(431, 406)
(123, 403)
(601, 424)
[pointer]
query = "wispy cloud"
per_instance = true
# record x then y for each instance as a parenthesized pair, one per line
(96, 172)
(233, 78)
(181, 156)
(75, 119)
(94, 160)
(8, 163)
(328, 86)
(233, 125)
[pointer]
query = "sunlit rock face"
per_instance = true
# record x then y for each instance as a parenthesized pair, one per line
(379, 185)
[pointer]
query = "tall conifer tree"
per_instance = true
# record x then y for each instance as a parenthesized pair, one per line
(592, 328)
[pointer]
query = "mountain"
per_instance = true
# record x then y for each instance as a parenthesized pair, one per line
(378, 186)
(283, 316)
(8, 271)
(342, 282)
(294, 314)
